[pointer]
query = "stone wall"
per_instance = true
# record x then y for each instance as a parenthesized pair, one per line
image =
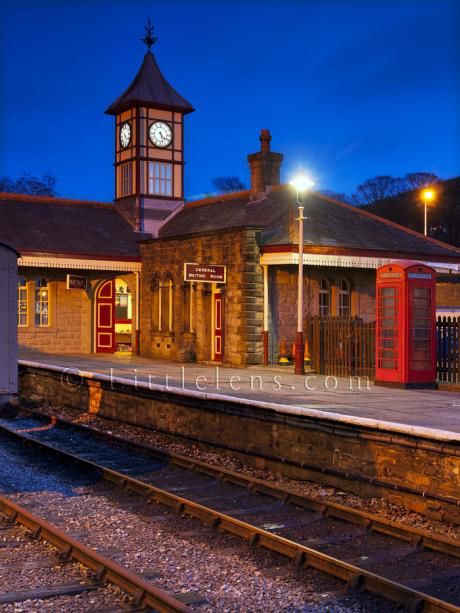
(448, 292)
(421, 474)
(163, 260)
(70, 328)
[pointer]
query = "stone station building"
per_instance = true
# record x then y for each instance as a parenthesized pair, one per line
(255, 235)
(79, 270)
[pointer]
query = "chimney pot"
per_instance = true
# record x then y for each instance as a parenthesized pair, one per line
(265, 139)
(264, 165)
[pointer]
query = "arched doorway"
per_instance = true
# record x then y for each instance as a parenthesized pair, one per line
(113, 317)
(105, 317)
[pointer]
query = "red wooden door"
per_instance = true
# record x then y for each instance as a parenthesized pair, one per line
(218, 328)
(105, 317)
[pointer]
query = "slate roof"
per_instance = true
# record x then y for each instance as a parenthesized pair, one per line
(150, 88)
(9, 247)
(40, 225)
(330, 224)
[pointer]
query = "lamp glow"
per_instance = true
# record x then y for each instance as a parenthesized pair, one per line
(301, 183)
(428, 194)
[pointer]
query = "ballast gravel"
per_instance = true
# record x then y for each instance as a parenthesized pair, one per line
(24, 554)
(175, 553)
(169, 443)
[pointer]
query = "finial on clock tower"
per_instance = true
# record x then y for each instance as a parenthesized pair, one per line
(149, 39)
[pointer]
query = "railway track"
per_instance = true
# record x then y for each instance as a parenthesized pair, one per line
(408, 566)
(19, 559)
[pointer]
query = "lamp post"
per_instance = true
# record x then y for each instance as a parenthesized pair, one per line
(301, 184)
(428, 195)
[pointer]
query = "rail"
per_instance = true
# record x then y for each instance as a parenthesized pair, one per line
(303, 556)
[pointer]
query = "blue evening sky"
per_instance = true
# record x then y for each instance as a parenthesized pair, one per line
(349, 89)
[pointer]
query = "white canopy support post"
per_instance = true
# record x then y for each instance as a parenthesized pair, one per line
(265, 331)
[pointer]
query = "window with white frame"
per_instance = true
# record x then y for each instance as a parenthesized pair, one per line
(23, 309)
(344, 298)
(160, 179)
(41, 302)
(324, 298)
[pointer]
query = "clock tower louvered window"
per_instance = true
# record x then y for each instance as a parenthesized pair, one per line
(149, 146)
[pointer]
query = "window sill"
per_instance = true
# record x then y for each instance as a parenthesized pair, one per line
(36, 329)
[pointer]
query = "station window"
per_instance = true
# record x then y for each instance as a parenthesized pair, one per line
(344, 298)
(166, 306)
(123, 302)
(160, 178)
(126, 180)
(162, 304)
(324, 297)
(189, 307)
(23, 309)
(41, 302)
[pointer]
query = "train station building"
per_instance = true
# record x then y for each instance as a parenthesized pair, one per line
(194, 281)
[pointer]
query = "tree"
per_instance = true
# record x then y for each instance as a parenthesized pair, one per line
(225, 185)
(375, 189)
(416, 180)
(385, 186)
(29, 184)
(340, 196)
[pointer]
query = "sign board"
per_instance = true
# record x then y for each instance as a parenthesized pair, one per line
(76, 282)
(205, 273)
(419, 275)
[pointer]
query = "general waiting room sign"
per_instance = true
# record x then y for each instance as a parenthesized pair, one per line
(205, 273)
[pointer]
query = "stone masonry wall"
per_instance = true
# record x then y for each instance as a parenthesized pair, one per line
(70, 326)
(70, 322)
(421, 474)
(242, 295)
(447, 294)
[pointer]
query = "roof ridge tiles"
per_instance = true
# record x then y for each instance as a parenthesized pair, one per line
(218, 198)
(53, 200)
(230, 196)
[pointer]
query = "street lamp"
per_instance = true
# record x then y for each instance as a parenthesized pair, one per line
(428, 195)
(301, 184)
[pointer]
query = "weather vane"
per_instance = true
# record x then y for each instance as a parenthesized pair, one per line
(149, 39)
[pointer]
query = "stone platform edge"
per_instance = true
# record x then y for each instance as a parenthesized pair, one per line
(298, 411)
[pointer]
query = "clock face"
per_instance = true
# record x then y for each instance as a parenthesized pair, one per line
(160, 134)
(125, 135)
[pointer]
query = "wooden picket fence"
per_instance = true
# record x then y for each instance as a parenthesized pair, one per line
(342, 346)
(345, 347)
(447, 349)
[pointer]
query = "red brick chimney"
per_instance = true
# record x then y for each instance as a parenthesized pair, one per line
(264, 165)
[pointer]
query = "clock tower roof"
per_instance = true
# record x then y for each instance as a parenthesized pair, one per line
(150, 88)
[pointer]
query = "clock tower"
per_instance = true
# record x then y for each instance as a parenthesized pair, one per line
(149, 146)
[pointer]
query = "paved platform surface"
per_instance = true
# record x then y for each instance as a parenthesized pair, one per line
(426, 408)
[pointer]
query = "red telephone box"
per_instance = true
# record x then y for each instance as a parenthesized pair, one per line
(406, 325)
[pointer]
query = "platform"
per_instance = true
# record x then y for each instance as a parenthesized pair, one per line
(431, 409)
